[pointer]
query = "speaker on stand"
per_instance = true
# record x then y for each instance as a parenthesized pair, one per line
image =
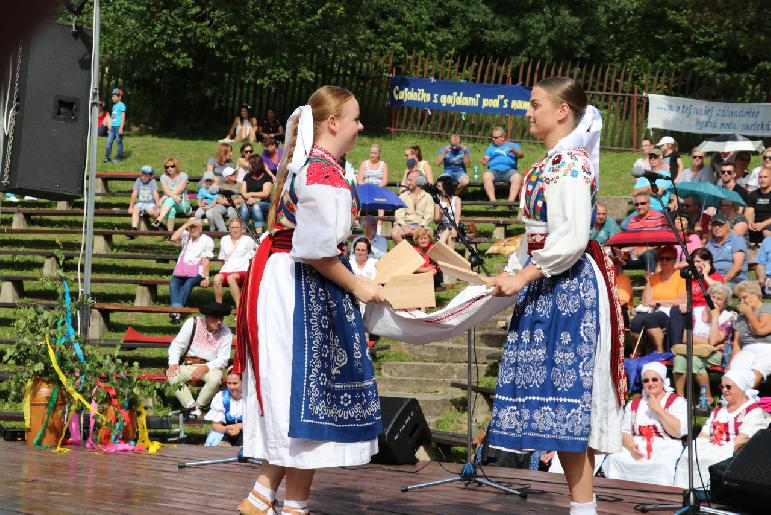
(404, 430)
(45, 105)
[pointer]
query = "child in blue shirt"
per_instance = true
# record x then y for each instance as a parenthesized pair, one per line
(117, 123)
(144, 197)
(205, 197)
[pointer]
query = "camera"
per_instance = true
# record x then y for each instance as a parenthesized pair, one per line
(455, 148)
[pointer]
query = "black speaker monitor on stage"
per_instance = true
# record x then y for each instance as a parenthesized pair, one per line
(44, 150)
(404, 430)
(745, 479)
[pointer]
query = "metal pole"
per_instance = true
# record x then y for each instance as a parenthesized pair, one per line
(91, 187)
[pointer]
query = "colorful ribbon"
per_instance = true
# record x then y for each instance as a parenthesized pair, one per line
(648, 432)
(719, 431)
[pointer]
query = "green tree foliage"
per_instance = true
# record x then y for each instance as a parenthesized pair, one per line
(176, 56)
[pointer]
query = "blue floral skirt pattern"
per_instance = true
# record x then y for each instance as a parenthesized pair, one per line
(544, 395)
(334, 394)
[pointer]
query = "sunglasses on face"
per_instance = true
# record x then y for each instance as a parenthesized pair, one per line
(496, 137)
(168, 167)
(766, 158)
(726, 172)
(650, 380)
(640, 203)
(248, 151)
(725, 387)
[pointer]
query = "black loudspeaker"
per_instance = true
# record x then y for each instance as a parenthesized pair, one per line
(404, 430)
(44, 152)
(745, 479)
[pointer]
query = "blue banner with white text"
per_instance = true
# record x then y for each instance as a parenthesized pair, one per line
(468, 97)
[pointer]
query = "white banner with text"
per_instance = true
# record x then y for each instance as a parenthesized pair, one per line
(689, 115)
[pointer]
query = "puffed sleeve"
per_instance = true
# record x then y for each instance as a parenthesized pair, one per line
(323, 212)
(568, 197)
(754, 421)
(626, 424)
(678, 409)
(216, 411)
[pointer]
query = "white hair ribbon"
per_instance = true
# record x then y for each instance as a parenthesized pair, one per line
(586, 135)
(304, 139)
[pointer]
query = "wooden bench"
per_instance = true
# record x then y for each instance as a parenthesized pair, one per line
(146, 293)
(51, 261)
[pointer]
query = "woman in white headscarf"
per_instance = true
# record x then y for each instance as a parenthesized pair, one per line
(728, 427)
(651, 432)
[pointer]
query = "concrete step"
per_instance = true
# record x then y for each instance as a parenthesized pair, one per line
(386, 385)
(446, 352)
(403, 369)
(432, 405)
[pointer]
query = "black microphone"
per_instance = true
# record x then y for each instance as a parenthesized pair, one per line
(649, 174)
(426, 186)
(226, 190)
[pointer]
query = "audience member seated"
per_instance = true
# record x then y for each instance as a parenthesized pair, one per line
(452, 203)
(414, 162)
(206, 196)
(762, 264)
(244, 127)
(418, 213)
(501, 159)
(752, 343)
(670, 158)
(728, 428)
(255, 193)
(192, 268)
(103, 121)
(220, 161)
(373, 170)
(604, 226)
(363, 263)
(744, 178)
(698, 172)
(651, 432)
(641, 163)
(222, 208)
(226, 414)
(662, 297)
(174, 200)
(200, 351)
(144, 197)
(378, 244)
(736, 220)
(424, 241)
(271, 126)
(697, 218)
(712, 330)
(758, 211)
(456, 160)
(729, 251)
(644, 219)
(623, 284)
(247, 151)
(702, 260)
(271, 154)
(765, 163)
(692, 240)
(236, 250)
(728, 181)
(643, 185)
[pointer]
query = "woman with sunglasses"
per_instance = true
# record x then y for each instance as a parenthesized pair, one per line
(728, 428)
(174, 200)
(246, 151)
(664, 292)
(752, 343)
(651, 432)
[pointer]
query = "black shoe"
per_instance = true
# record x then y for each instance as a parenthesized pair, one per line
(156, 224)
(106, 160)
(132, 236)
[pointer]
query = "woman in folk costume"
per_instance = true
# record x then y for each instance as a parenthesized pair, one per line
(651, 432)
(561, 380)
(310, 398)
(728, 427)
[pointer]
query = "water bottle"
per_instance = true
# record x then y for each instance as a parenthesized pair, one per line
(476, 173)
(703, 398)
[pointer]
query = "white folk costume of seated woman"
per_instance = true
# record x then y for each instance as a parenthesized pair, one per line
(651, 432)
(225, 414)
(728, 428)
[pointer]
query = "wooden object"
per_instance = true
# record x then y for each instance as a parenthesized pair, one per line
(443, 253)
(462, 274)
(400, 260)
(410, 291)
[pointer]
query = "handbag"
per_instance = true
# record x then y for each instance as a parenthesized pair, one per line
(701, 350)
(182, 269)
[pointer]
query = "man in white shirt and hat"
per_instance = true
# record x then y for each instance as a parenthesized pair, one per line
(200, 351)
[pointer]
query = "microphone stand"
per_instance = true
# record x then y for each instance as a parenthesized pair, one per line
(231, 203)
(469, 472)
(691, 502)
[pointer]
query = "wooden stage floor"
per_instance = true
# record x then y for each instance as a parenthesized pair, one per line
(81, 481)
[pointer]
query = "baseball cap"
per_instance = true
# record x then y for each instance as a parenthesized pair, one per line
(719, 219)
(228, 171)
(208, 176)
(665, 140)
(117, 91)
(147, 169)
(655, 151)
